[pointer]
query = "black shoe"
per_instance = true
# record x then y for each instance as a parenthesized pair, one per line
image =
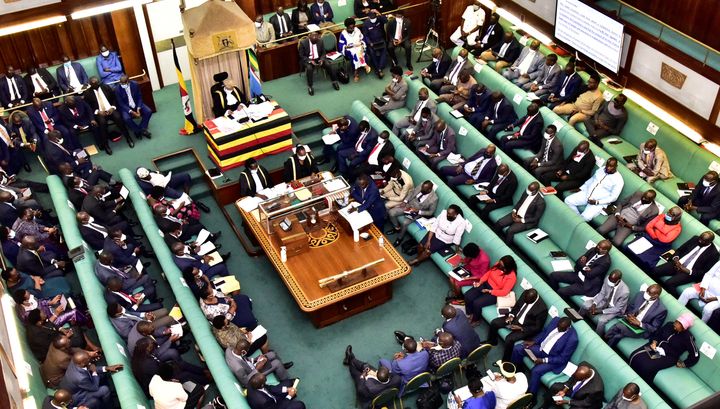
(311, 91)
(154, 281)
(380, 74)
(130, 142)
(226, 256)
(288, 365)
(108, 150)
(397, 242)
(216, 235)
(391, 231)
(400, 337)
(218, 246)
(410, 67)
(27, 167)
(147, 134)
(138, 136)
(202, 206)
(336, 86)
(348, 355)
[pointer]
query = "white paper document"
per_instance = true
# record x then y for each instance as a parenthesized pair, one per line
(206, 248)
(331, 138)
(640, 245)
(562, 265)
(202, 236)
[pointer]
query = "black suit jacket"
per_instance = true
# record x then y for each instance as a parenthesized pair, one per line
(92, 237)
(102, 212)
(582, 170)
(512, 52)
(8, 214)
(505, 114)
(590, 395)
(275, 21)
(247, 183)
(367, 389)
(706, 203)
(28, 262)
(390, 30)
(593, 278)
(534, 211)
(85, 114)
(50, 82)
(259, 400)
(532, 137)
(534, 319)
(304, 51)
(76, 197)
(496, 35)
(91, 99)
(707, 259)
(438, 70)
(505, 191)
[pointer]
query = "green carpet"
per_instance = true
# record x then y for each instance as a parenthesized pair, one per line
(317, 353)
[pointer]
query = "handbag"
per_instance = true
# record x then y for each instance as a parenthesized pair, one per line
(507, 301)
(429, 398)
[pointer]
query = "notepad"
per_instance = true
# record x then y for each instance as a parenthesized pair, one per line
(561, 265)
(331, 138)
(640, 245)
(124, 192)
(176, 313)
(454, 260)
(227, 284)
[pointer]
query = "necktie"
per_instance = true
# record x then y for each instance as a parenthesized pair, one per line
(42, 263)
(15, 88)
(46, 120)
(455, 71)
(39, 85)
(283, 26)
(611, 298)
(576, 388)
(642, 308)
(119, 272)
(564, 84)
(377, 146)
(497, 106)
(442, 140)
(361, 139)
(5, 136)
(692, 256)
(477, 167)
(101, 100)
(23, 136)
(313, 52)
(546, 343)
(527, 121)
(74, 112)
(131, 101)
(547, 150)
(521, 312)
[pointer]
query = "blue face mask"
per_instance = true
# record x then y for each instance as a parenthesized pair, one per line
(668, 218)
(67, 64)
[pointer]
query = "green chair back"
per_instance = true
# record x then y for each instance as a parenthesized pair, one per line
(385, 397)
(416, 382)
(521, 402)
(448, 368)
(329, 41)
(479, 355)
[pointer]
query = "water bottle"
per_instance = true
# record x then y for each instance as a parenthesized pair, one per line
(381, 241)
(283, 254)
(356, 235)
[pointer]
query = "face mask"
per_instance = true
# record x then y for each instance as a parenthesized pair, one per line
(167, 212)
(611, 284)
(60, 141)
(122, 310)
(646, 296)
(460, 58)
(258, 25)
(529, 192)
(105, 54)
(186, 250)
(373, 20)
(705, 183)
(32, 302)
(399, 19)
(548, 136)
(424, 119)
(668, 218)
(67, 64)
(393, 178)
(628, 399)
(123, 237)
(645, 201)
(476, 7)
(609, 172)
(647, 152)
(435, 60)
(396, 80)
(11, 234)
(302, 157)
(91, 219)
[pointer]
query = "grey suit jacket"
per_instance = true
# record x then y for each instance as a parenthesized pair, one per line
(427, 207)
(537, 63)
(645, 216)
(466, 65)
(242, 369)
(123, 325)
(430, 104)
(619, 299)
(555, 154)
(547, 77)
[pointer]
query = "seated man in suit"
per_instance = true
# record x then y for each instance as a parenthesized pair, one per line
(631, 215)
(574, 171)
(651, 162)
(477, 106)
(457, 324)
(356, 147)
(643, 317)
(71, 76)
(281, 22)
(58, 359)
(164, 340)
(689, 263)
(253, 179)
(441, 145)
(244, 367)
(499, 115)
(437, 69)
(373, 30)
(376, 160)
(707, 294)
(184, 259)
(131, 107)
(550, 157)
(403, 125)
(479, 168)
(102, 210)
(103, 103)
(704, 199)
(347, 129)
(491, 35)
(546, 78)
(608, 120)
(108, 65)
(125, 320)
(588, 275)
(609, 303)
(450, 78)
(525, 215)
(420, 134)
(179, 229)
(11, 158)
(77, 115)
(83, 380)
(602, 189)
(125, 251)
(552, 348)
(130, 302)
(280, 396)
(457, 95)
(312, 57)
(628, 397)
(369, 382)
(321, 13)
(45, 117)
(528, 63)
(584, 389)
(56, 154)
(421, 202)
(408, 363)
(499, 191)
(132, 280)
(568, 87)
(40, 83)
(366, 194)
(529, 134)
(93, 234)
(34, 260)
(585, 105)
(525, 320)
(12, 89)
(24, 136)
(397, 189)
(504, 52)
(300, 165)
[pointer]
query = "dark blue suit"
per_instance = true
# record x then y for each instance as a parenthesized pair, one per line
(572, 89)
(651, 321)
(481, 104)
(260, 400)
(56, 123)
(121, 256)
(459, 326)
(557, 359)
(408, 367)
(374, 34)
(62, 78)
(31, 133)
(195, 261)
(347, 139)
(370, 200)
(124, 107)
(5, 96)
(345, 153)
(316, 17)
(10, 157)
(85, 388)
(10, 249)
(502, 117)
(56, 154)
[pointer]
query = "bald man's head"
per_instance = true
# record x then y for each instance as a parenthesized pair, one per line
(448, 311)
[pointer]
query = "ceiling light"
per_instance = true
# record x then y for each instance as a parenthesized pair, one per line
(94, 11)
(18, 28)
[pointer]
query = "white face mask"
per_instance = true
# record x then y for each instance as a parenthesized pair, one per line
(373, 20)
(186, 250)
(424, 119)
(91, 219)
(705, 183)
(167, 212)
(646, 296)
(253, 171)
(476, 7)
(529, 193)
(396, 80)
(105, 54)
(32, 302)
(258, 24)
(435, 60)
(122, 310)
(302, 157)
(60, 141)
(647, 152)
(611, 284)
(393, 178)
(548, 136)
(11, 234)
(460, 58)
(123, 237)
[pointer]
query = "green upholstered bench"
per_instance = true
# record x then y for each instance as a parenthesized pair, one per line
(129, 393)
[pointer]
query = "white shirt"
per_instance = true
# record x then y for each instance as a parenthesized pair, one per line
(256, 179)
(472, 19)
(72, 77)
(525, 205)
(603, 187)
(12, 86)
(642, 313)
(398, 29)
(471, 165)
(375, 152)
(506, 392)
(103, 103)
(711, 282)
(503, 49)
(419, 110)
(691, 261)
(131, 101)
(524, 65)
(449, 232)
(167, 395)
(230, 97)
(314, 54)
(525, 309)
(550, 341)
(580, 384)
(38, 83)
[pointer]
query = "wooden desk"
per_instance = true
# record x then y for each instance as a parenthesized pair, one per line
(301, 272)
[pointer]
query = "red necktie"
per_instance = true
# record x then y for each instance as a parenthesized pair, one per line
(75, 112)
(46, 119)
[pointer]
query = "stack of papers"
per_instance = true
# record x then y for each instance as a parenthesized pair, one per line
(640, 245)
(333, 185)
(226, 125)
(331, 138)
(176, 329)
(561, 265)
(226, 285)
(357, 220)
(425, 223)
(249, 203)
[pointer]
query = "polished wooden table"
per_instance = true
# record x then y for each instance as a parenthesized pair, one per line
(333, 251)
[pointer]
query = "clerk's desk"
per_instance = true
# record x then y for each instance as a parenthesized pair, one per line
(334, 251)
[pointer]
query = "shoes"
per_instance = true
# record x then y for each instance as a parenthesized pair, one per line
(202, 206)
(391, 230)
(138, 135)
(311, 91)
(216, 235)
(336, 86)
(367, 69)
(108, 150)
(457, 302)
(410, 67)
(288, 365)
(130, 142)
(380, 74)
(397, 242)
(226, 256)
(400, 337)
(348, 355)
(147, 134)
(27, 167)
